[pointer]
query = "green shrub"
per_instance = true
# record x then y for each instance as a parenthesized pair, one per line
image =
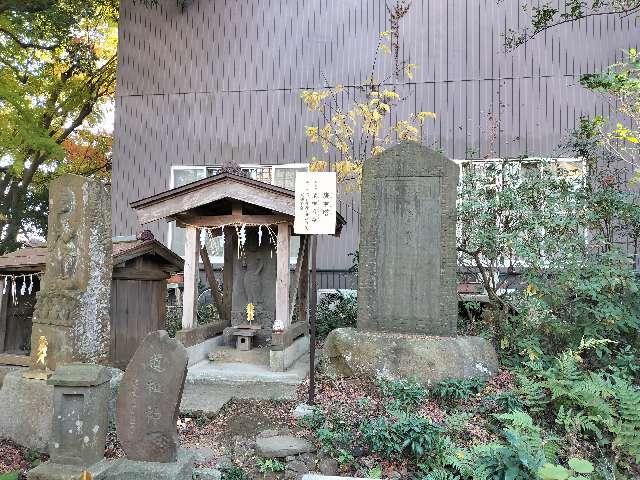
(173, 320)
(270, 465)
(454, 389)
(234, 473)
(313, 421)
(407, 394)
(519, 458)
(336, 310)
(407, 436)
(577, 468)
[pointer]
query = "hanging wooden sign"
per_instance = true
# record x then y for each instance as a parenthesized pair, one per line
(315, 208)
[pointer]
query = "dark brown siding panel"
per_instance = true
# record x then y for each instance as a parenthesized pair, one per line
(222, 81)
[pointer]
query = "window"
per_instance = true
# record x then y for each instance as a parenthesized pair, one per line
(279, 175)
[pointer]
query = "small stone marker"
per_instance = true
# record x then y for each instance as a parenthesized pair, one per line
(149, 398)
(80, 397)
(72, 308)
(407, 269)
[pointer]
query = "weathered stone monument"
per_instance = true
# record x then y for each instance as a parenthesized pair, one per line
(71, 318)
(72, 308)
(147, 412)
(254, 283)
(79, 427)
(407, 268)
(407, 303)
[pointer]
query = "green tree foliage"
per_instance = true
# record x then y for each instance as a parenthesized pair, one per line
(546, 15)
(57, 69)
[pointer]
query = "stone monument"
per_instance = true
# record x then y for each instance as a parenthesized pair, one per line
(72, 308)
(254, 283)
(407, 268)
(79, 428)
(407, 301)
(147, 412)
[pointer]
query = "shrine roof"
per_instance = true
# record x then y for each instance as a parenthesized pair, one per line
(216, 191)
(34, 259)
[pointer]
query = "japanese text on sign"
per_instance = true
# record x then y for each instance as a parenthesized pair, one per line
(315, 203)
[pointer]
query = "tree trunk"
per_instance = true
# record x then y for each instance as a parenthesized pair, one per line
(213, 283)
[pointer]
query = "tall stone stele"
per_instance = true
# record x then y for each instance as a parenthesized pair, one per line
(407, 269)
(407, 302)
(72, 307)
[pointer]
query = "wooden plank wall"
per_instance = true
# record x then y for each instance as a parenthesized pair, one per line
(137, 308)
(222, 81)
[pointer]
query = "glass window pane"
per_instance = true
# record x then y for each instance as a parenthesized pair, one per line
(285, 177)
(177, 239)
(182, 176)
(262, 174)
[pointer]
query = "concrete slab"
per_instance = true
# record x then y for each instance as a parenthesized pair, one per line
(209, 385)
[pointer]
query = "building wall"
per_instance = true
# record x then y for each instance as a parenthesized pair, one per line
(222, 80)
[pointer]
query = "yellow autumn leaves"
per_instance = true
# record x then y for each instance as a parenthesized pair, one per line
(364, 127)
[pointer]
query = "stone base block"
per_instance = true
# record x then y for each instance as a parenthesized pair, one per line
(350, 352)
(124, 469)
(26, 412)
(281, 360)
(56, 471)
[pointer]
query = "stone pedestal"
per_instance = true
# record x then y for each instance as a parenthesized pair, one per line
(349, 352)
(80, 398)
(80, 401)
(123, 469)
(56, 471)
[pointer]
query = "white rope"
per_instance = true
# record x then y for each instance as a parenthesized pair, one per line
(9, 281)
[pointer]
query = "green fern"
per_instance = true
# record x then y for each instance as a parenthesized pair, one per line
(627, 426)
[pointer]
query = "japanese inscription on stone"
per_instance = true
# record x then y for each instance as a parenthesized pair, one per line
(149, 399)
(407, 269)
(315, 205)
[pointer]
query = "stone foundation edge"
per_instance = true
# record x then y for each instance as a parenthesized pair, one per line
(281, 360)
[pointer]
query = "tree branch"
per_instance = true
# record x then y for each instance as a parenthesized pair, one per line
(22, 44)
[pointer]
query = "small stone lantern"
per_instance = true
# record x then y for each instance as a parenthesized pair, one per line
(80, 399)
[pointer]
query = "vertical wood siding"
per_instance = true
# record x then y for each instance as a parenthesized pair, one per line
(222, 80)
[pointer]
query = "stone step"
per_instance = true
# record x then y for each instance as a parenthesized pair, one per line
(209, 385)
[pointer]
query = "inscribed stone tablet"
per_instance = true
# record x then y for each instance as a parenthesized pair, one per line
(149, 398)
(407, 270)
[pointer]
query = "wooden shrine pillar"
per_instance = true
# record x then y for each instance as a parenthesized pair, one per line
(230, 248)
(4, 303)
(191, 277)
(282, 278)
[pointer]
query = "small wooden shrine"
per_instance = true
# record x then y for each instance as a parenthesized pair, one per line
(141, 268)
(262, 302)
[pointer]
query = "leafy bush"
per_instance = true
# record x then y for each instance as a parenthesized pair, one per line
(234, 473)
(577, 466)
(271, 465)
(336, 310)
(408, 436)
(519, 458)
(452, 389)
(407, 394)
(313, 421)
